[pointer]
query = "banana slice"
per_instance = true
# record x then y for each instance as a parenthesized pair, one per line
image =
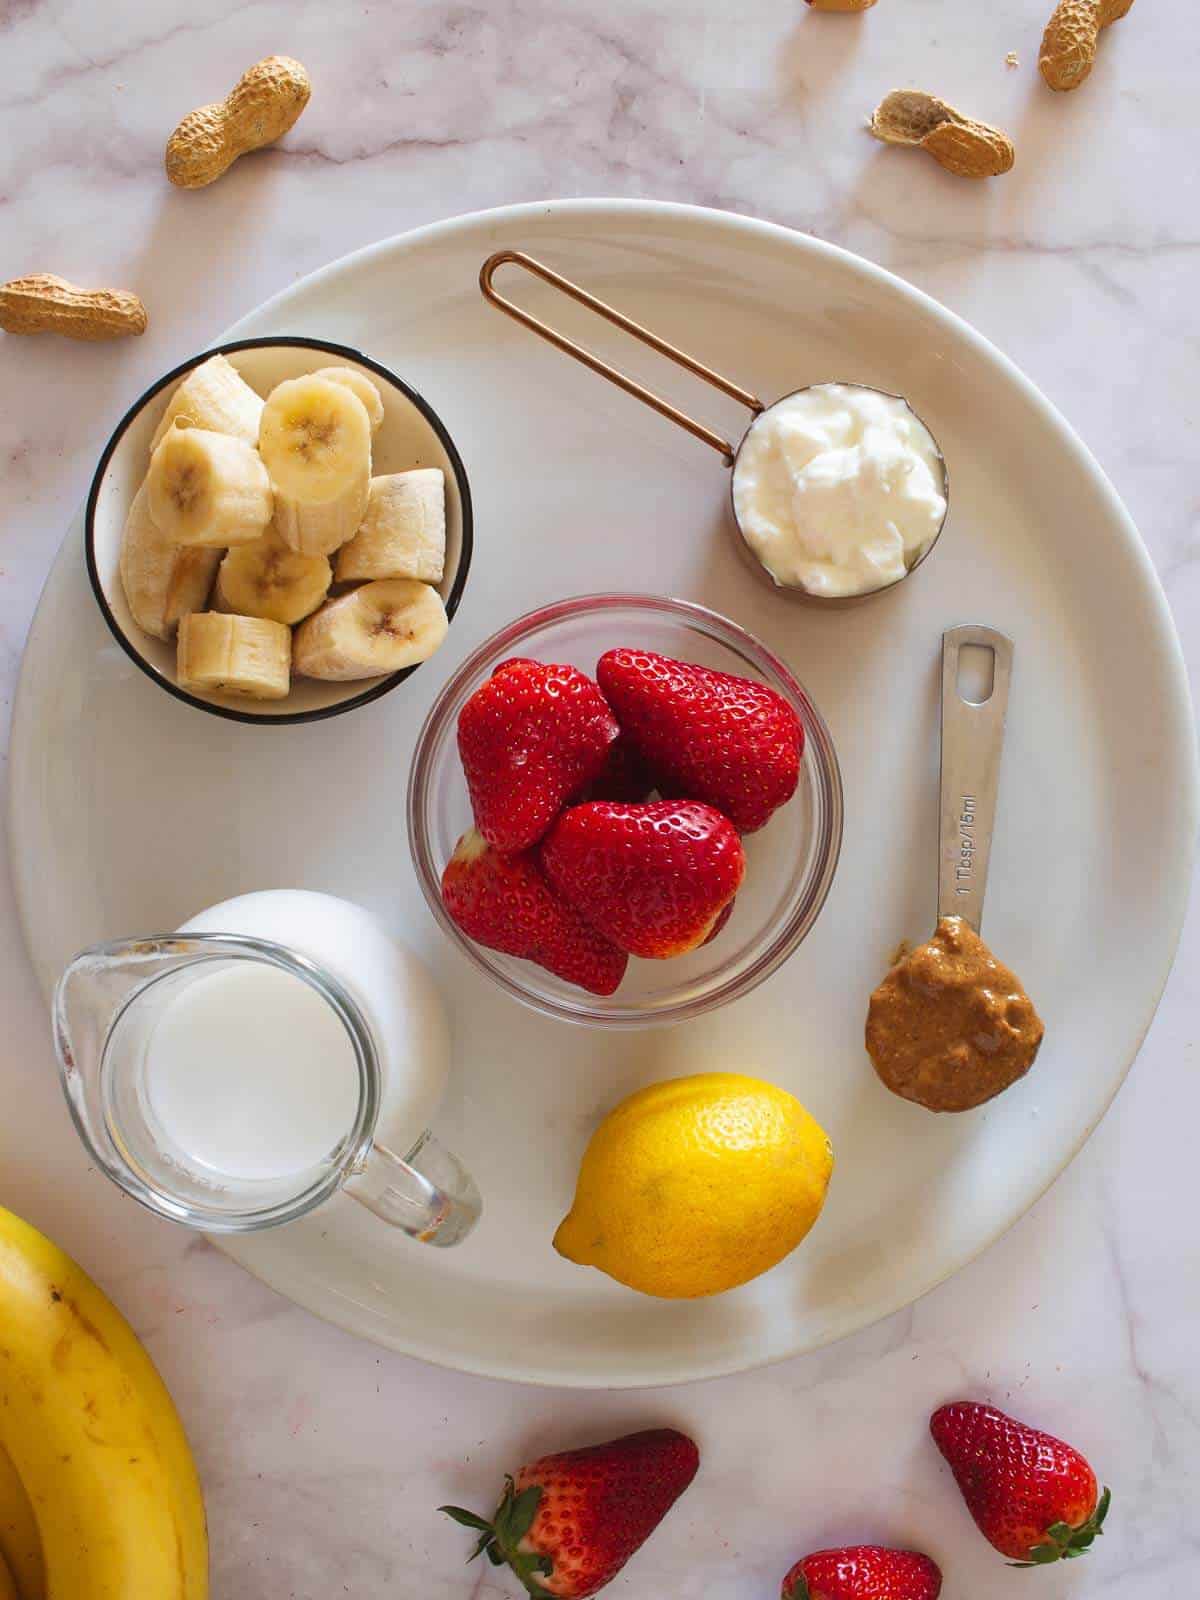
(215, 396)
(243, 655)
(315, 530)
(316, 442)
(268, 579)
(403, 534)
(207, 488)
(362, 386)
(378, 628)
(315, 437)
(162, 580)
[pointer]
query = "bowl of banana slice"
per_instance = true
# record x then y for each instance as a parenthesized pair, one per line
(279, 530)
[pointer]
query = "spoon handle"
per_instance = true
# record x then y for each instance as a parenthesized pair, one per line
(681, 358)
(972, 742)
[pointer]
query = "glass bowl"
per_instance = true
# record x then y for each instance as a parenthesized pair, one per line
(789, 864)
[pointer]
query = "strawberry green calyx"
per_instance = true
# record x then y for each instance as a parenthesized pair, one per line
(1064, 1543)
(799, 1590)
(500, 1539)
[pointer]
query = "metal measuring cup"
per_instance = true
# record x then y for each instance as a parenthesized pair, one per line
(725, 449)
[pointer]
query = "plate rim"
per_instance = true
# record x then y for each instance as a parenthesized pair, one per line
(1178, 716)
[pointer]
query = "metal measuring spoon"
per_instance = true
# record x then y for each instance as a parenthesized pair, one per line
(728, 452)
(972, 744)
(950, 1026)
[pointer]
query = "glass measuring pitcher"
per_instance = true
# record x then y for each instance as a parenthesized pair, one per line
(111, 1011)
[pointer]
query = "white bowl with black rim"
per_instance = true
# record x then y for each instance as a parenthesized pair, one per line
(411, 435)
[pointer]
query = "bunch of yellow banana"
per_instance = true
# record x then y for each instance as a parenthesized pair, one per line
(99, 1498)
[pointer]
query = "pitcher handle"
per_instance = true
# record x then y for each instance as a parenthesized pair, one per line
(430, 1195)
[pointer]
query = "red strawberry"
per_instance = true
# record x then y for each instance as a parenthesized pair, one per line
(624, 777)
(705, 735)
(719, 924)
(505, 903)
(654, 879)
(863, 1572)
(1032, 1496)
(571, 1521)
(530, 737)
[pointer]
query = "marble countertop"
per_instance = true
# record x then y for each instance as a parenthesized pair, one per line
(323, 1458)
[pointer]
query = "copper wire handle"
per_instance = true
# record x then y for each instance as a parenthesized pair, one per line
(518, 258)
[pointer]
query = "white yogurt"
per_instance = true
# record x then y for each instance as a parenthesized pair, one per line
(838, 489)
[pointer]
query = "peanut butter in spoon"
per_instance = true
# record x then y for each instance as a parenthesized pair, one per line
(950, 1026)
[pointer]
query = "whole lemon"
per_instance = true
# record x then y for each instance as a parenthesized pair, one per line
(692, 1186)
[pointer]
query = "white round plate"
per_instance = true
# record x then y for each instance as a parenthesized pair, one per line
(130, 811)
